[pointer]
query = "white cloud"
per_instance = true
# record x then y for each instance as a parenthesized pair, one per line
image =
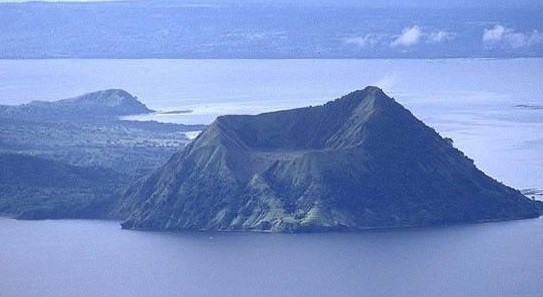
(368, 40)
(494, 34)
(501, 35)
(440, 36)
(409, 37)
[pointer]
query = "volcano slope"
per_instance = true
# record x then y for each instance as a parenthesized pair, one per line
(361, 161)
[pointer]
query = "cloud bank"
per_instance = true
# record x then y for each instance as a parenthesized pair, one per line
(440, 36)
(369, 40)
(503, 36)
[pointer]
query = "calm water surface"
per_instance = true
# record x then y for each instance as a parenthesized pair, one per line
(97, 258)
(471, 101)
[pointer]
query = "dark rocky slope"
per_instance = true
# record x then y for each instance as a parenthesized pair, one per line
(357, 162)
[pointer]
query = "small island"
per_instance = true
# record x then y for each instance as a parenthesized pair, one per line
(530, 106)
(176, 111)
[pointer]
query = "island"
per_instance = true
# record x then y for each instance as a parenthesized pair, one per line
(87, 131)
(73, 158)
(361, 161)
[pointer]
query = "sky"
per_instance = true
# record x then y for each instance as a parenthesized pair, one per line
(373, 3)
(21, 1)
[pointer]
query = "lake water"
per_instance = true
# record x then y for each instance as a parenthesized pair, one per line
(97, 258)
(472, 101)
(469, 100)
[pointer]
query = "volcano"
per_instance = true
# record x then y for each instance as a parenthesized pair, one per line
(361, 161)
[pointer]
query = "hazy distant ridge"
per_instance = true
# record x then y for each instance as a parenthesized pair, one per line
(107, 104)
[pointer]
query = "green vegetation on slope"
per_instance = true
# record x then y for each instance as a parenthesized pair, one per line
(133, 148)
(34, 188)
